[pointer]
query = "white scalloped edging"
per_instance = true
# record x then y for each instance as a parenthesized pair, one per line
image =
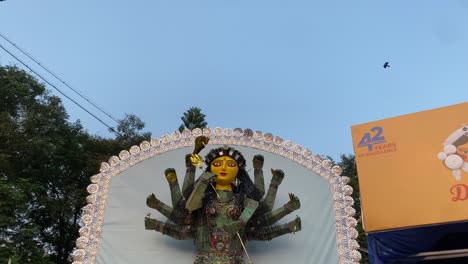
(93, 213)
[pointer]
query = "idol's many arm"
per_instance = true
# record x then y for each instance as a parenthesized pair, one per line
(176, 195)
(278, 176)
(194, 201)
(249, 209)
(175, 231)
(189, 178)
(258, 174)
(174, 215)
(268, 233)
(270, 218)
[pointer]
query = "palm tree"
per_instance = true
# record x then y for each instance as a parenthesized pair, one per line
(192, 119)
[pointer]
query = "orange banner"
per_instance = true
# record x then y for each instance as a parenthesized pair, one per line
(413, 169)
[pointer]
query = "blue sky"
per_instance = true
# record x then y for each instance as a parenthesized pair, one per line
(303, 70)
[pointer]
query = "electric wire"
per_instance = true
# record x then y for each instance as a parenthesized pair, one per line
(69, 98)
(58, 78)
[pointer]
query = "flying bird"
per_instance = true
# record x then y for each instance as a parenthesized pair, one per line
(386, 65)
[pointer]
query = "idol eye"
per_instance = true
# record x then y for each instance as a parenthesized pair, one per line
(232, 164)
(216, 164)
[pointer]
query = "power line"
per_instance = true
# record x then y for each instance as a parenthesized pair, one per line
(58, 78)
(40, 76)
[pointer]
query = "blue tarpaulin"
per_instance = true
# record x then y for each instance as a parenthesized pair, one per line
(397, 245)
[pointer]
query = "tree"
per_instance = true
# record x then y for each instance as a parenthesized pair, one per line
(129, 131)
(193, 118)
(18, 105)
(45, 165)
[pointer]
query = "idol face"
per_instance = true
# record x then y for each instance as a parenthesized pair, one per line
(225, 168)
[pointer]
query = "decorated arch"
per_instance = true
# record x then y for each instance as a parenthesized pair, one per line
(113, 229)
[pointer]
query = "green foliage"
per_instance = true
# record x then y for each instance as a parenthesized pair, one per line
(129, 131)
(27, 114)
(45, 165)
(193, 118)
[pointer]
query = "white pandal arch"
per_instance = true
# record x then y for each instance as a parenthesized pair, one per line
(93, 217)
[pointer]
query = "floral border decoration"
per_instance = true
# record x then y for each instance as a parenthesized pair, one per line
(93, 213)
